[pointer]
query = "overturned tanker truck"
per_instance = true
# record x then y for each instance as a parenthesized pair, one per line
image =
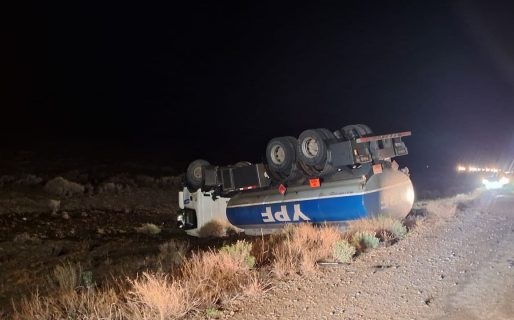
(320, 177)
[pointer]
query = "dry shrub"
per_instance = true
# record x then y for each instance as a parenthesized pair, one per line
(54, 206)
(111, 187)
(156, 297)
(62, 187)
(343, 251)
(148, 228)
(216, 228)
(302, 247)
(255, 286)
(442, 208)
(28, 180)
(447, 207)
(86, 304)
(206, 278)
(386, 228)
(363, 240)
(172, 254)
(238, 250)
(25, 237)
(68, 276)
(262, 248)
(217, 276)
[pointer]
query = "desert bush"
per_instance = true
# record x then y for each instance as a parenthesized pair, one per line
(67, 276)
(217, 229)
(28, 180)
(262, 248)
(172, 253)
(87, 304)
(343, 251)
(25, 237)
(212, 313)
(382, 226)
(168, 181)
(146, 181)
(123, 180)
(240, 249)
(442, 208)
(54, 206)
(218, 276)
(156, 297)
(62, 187)
(110, 187)
(148, 228)
(447, 207)
(398, 229)
(364, 240)
(301, 247)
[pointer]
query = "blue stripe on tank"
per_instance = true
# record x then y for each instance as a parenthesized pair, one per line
(334, 209)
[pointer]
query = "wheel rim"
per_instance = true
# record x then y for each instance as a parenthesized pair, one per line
(197, 172)
(278, 155)
(310, 147)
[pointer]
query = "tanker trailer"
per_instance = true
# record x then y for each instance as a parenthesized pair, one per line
(321, 177)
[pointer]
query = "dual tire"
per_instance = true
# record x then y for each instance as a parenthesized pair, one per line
(285, 155)
(195, 174)
(281, 156)
(312, 147)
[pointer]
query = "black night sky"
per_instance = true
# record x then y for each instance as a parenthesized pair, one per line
(218, 80)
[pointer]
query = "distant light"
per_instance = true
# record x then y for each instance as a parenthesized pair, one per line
(495, 184)
(461, 168)
(471, 168)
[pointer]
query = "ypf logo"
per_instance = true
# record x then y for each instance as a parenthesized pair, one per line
(283, 216)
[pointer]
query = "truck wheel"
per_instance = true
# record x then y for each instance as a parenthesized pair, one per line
(339, 135)
(281, 154)
(328, 134)
(242, 164)
(355, 131)
(365, 128)
(194, 173)
(312, 147)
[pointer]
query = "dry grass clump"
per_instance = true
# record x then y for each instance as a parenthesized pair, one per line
(205, 279)
(62, 187)
(343, 251)
(218, 277)
(386, 228)
(156, 297)
(302, 247)
(447, 207)
(363, 240)
(217, 229)
(71, 301)
(442, 208)
(88, 304)
(172, 254)
(148, 228)
(68, 277)
(240, 249)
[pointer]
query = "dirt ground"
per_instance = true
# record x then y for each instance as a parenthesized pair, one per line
(450, 267)
(98, 230)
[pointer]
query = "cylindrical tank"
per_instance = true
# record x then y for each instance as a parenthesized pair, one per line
(336, 201)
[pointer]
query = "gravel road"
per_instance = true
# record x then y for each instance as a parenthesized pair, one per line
(455, 267)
